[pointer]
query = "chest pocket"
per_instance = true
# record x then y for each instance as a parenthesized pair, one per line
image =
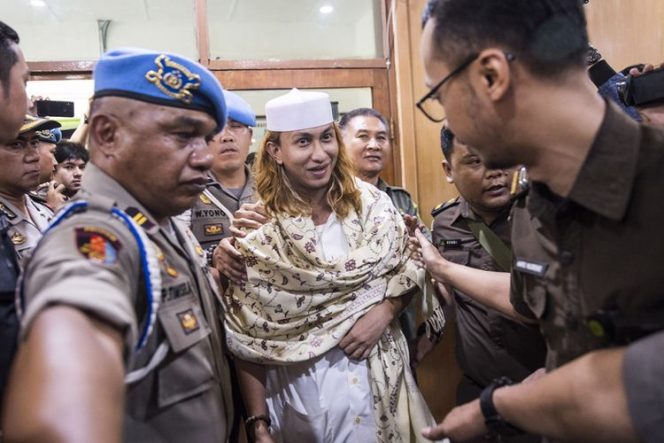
(191, 371)
(459, 257)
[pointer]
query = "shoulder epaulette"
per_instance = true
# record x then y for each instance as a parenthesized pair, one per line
(8, 212)
(520, 183)
(445, 205)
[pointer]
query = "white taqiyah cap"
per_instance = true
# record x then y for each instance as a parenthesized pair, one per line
(298, 110)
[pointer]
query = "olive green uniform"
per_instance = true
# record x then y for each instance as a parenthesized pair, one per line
(589, 267)
(91, 261)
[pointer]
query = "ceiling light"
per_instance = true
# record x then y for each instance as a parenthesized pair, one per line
(38, 3)
(326, 9)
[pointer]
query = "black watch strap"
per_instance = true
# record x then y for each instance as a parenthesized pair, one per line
(496, 425)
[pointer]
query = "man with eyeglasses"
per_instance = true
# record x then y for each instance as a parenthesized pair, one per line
(512, 79)
(230, 182)
(20, 174)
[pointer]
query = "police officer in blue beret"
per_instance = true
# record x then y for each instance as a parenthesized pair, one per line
(120, 336)
(230, 182)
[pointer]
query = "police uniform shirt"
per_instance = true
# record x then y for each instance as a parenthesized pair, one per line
(489, 345)
(25, 232)
(589, 267)
(643, 369)
(209, 223)
(91, 262)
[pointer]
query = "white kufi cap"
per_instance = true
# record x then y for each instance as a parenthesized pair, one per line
(298, 110)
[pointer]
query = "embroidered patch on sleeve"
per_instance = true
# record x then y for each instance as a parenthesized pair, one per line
(97, 245)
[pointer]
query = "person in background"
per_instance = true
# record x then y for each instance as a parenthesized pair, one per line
(72, 158)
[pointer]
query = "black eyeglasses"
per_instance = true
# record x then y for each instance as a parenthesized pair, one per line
(430, 105)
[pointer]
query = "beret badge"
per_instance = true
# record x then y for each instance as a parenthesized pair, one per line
(173, 79)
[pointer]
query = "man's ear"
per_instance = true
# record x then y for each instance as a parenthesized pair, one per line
(103, 130)
(448, 171)
(274, 150)
(495, 73)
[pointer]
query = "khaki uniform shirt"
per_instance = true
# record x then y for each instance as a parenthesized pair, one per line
(91, 261)
(489, 345)
(209, 223)
(593, 262)
(25, 232)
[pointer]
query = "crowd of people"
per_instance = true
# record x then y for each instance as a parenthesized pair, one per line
(157, 284)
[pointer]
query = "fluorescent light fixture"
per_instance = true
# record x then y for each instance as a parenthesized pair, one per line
(38, 3)
(326, 9)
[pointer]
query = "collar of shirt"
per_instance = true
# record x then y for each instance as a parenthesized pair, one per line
(464, 211)
(605, 181)
(247, 189)
(40, 214)
(97, 182)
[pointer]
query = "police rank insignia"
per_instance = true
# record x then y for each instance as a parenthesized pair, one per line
(17, 238)
(173, 79)
(205, 199)
(215, 229)
(97, 245)
(188, 321)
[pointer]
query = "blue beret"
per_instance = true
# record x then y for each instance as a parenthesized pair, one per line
(239, 110)
(160, 78)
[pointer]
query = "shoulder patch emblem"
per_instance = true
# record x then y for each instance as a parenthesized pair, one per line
(97, 245)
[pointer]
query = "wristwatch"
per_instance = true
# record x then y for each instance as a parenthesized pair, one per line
(496, 425)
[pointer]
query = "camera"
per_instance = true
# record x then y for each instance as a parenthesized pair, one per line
(642, 90)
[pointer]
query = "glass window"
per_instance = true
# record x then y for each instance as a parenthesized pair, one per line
(294, 29)
(57, 30)
(344, 99)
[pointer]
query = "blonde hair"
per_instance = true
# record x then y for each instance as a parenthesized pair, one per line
(278, 195)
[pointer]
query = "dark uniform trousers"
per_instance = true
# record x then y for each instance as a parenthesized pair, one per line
(91, 261)
(589, 267)
(489, 345)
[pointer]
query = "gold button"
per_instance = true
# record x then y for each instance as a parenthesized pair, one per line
(357, 420)
(355, 380)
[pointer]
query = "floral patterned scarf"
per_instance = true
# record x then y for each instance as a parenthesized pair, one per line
(296, 306)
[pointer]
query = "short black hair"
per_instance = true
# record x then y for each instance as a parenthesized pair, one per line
(362, 112)
(547, 36)
(447, 142)
(68, 150)
(8, 57)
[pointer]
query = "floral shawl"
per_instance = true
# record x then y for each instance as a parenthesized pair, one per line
(296, 306)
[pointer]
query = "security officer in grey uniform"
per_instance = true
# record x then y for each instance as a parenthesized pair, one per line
(230, 182)
(367, 139)
(19, 175)
(473, 230)
(120, 327)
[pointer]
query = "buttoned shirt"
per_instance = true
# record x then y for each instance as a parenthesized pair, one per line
(489, 345)
(25, 231)
(91, 261)
(589, 266)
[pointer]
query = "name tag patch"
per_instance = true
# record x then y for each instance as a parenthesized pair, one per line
(530, 267)
(214, 229)
(451, 243)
